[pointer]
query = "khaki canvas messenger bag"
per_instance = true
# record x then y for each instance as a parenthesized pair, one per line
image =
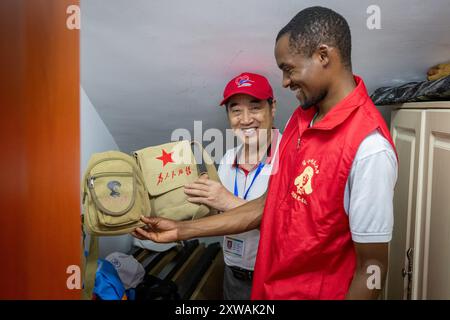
(114, 194)
(113, 197)
(117, 189)
(166, 169)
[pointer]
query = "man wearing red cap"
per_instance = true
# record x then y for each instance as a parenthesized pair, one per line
(244, 173)
(327, 217)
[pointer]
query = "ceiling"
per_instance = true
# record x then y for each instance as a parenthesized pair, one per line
(151, 66)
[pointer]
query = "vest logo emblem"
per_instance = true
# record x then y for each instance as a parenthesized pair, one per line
(303, 183)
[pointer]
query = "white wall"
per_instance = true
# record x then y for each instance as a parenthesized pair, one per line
(95, 137)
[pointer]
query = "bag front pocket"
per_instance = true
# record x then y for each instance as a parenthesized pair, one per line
(114, 195)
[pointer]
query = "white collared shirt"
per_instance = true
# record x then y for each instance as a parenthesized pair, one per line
(240, 250)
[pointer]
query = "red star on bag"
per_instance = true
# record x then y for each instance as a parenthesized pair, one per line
(166, 157)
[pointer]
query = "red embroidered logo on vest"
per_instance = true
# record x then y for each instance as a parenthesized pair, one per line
(303, 183)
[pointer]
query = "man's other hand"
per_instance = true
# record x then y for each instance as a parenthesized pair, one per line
(211, 193)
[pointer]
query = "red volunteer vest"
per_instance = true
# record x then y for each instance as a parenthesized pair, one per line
(305, 249)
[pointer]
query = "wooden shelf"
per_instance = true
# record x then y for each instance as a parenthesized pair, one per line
(422, 105)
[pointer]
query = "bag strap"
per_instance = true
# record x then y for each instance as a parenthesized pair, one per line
(90, 268)
(209, 163)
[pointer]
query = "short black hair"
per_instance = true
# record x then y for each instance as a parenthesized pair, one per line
(318, 25)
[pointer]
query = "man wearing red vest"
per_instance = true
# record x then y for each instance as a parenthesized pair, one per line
(326, 219)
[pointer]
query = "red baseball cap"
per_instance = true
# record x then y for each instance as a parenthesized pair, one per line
(248, 83)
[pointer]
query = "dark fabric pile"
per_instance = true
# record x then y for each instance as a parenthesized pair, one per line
(437, 90)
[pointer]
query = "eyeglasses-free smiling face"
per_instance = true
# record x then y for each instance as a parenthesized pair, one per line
(250, 118)
(303, 75)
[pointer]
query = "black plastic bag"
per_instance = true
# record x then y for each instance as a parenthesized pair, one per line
(413, 92)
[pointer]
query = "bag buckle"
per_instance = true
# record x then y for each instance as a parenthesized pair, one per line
(91, 182)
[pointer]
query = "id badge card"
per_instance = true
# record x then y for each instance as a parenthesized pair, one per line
(234, 246)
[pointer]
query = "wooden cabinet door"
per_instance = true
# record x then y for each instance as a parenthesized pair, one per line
(40, 158)
(436, 275)
(407, 127)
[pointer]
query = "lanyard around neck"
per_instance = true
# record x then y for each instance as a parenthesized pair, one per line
(258, 171)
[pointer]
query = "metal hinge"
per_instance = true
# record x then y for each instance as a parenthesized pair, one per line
(408, 273)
